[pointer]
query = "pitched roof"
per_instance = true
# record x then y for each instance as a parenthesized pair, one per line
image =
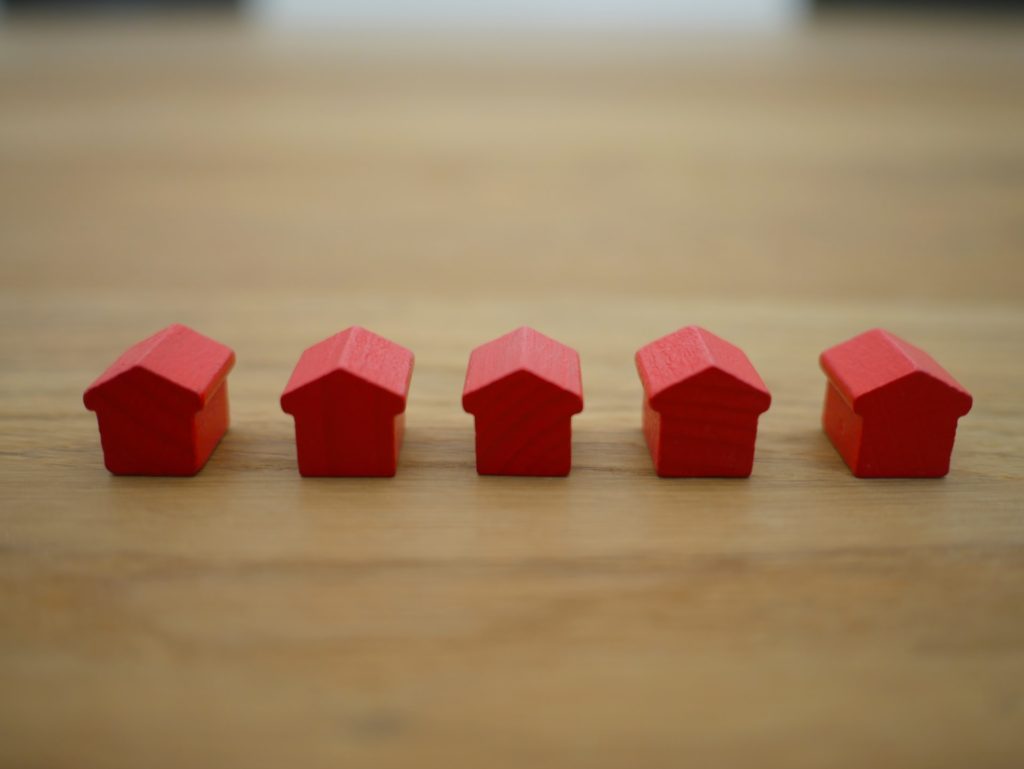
(523, 350)
(690, 352)
(359, 353)
(162, 356)
(876, 359)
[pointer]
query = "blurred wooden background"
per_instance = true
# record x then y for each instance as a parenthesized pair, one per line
(270, 189)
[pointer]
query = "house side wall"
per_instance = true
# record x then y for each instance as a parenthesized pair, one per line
(211, 423)
(651, 420)
(398, 435)
(843, 426)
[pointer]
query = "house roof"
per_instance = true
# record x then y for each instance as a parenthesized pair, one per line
(862, 367)
(191, 363)
(361, 354)
(523, 350)
(667, 365)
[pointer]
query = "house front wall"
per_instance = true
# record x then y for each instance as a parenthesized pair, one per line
(715, 445)
(906, 446)
(151, 443)
(701, 439)
(150, 426)
(524, 442)
(340, 437)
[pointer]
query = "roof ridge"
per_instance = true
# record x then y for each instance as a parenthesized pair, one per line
(154, 341)
(521, 337)
(712, 360)
(901, 346)
(343, 339)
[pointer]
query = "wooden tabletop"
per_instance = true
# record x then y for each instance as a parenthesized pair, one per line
(269, 190)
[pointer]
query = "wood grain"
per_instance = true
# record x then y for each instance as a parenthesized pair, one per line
(268, 191)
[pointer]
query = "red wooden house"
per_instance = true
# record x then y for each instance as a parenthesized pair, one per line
(523, 389)
(348, 395)
(702, 398)
(890, 409)
(162, 406)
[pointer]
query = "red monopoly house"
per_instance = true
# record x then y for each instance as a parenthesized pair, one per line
(890, 409)
(523, 389)
(162, 406)
(348, 394)
(702, 398)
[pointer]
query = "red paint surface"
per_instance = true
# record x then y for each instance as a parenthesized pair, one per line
(522, 390)
(348, 395)
(702, 399)
(890, 409)
(162, 406)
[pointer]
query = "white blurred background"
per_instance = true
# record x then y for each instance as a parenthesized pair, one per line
(558, 13)
(575, 14)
